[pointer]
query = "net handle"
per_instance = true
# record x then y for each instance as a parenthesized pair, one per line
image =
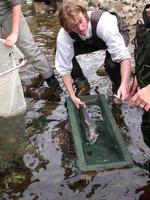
(15, 47)
(14, 64)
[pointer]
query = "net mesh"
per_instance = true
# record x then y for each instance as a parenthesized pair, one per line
(12, 99)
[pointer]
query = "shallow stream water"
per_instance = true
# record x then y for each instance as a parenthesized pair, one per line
(47, 171)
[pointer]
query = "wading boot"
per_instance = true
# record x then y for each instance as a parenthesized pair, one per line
(81, 83)
(82, 87)
(54, 86)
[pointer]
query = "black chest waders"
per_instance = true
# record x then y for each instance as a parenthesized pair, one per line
(142, 65)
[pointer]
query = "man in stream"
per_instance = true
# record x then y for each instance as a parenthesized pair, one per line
(14, 29)
(141, 97)
(85, 31)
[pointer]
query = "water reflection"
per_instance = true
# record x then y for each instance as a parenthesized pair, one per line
(12, 139)
(14, 174)
(120, 121)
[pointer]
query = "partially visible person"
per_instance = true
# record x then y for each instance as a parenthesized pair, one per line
(148, 10)
(86, 31)
(141, 97)
(146, 15)
(48, 6)
(14, 29)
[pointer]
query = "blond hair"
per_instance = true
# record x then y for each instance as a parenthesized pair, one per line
(69, 11)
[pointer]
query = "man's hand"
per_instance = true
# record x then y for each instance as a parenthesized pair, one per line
(123, 92)
(142, 98)
(11, 40)
(77, 102)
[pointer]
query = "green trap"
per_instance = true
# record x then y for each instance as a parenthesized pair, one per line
(109, 150)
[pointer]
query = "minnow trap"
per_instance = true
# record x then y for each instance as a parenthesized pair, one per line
(109, 151)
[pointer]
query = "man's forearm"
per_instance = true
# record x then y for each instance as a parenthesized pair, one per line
(125, 71)
(16, 12)
(68, 84)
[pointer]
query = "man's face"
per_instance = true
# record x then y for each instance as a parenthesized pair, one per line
(79, 25)
(148, 12)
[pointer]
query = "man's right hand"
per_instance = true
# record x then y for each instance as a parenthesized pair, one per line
(77, 102)
(11, 39)
(142, 98)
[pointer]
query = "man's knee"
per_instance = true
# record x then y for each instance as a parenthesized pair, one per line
(111, 67)
(113, 70)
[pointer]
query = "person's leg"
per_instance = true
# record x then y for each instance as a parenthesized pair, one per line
(81, 82)
(33, 54)
(145, 127)
(113, 70)
(77, 71)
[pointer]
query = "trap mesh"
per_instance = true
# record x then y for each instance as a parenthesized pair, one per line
(11, 93)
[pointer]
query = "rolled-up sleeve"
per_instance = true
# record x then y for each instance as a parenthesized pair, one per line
(108, 31)
(64, 53)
